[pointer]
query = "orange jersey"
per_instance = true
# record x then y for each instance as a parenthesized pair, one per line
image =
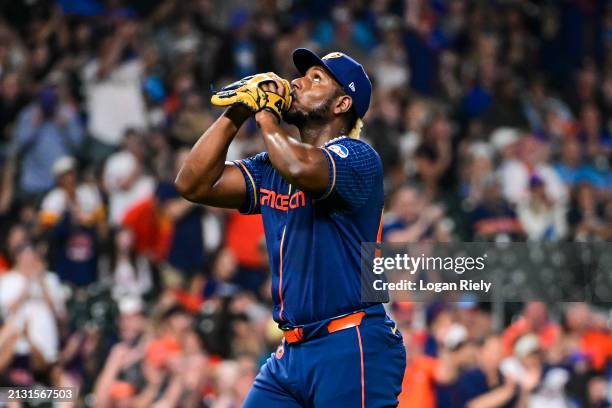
(418, 387)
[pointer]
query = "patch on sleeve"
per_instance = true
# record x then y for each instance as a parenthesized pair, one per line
(339, 150)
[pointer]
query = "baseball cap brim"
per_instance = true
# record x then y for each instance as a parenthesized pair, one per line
(303, 59)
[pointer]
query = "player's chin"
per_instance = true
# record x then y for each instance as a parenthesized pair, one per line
(294, 115)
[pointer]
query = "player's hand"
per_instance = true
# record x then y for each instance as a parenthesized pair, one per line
(279, 96)
(276, 85)
(257, 92)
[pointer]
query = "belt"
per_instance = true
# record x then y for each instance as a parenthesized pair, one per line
(296, 334)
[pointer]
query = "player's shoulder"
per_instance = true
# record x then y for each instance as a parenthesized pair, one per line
(258, 159)
(345, 147)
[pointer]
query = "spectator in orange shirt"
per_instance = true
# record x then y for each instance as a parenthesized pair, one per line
(244, 234)
(534, 319)
(151, 227)
(426, 376)
(586, 336)
(419, 385)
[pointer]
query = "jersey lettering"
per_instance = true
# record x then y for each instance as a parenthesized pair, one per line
(282, 202)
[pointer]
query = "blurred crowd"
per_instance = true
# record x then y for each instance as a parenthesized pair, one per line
(493, 121)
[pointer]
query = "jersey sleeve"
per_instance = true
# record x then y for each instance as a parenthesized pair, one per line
(354, 169)
(252, 169)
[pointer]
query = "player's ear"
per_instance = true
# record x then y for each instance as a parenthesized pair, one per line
(343, 104)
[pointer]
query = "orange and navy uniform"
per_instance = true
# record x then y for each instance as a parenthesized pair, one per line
(337, 350)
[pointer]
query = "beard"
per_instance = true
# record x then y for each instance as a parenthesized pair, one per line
(318, 114)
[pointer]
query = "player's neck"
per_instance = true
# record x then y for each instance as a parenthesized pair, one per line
(318, 134)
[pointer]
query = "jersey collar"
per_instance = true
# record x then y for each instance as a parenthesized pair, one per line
(334, 140)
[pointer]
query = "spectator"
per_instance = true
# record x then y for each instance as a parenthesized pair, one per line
(186, 246)
(535, 320)
(596, 141)
(46, 130)
(582, 336)
(172, 363)
(541, 385)
(391, 68)
(598, 394)
(73, 215)
(411, 218)
(457, 356)
(478, 168)
(244, 235)
(573, 170)
(233, 377)
(485, 386)
(506, 109)
(386, 125)
(418, 388)
(152, 228)
(129, 273)
(416, 116)
(493, 218)
(541, 218)
(113, 91)
(343, 33)
(538, 105)
(433, 156)
(125, 178)
(586, 216)
(517, 173)
(118, 378)
(422, 48)
(191, 120)
(35, 299)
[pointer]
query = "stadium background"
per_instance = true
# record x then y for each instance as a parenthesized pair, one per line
(493, 122)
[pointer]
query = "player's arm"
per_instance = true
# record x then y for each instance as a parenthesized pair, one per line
(301, 164)
(205, 178)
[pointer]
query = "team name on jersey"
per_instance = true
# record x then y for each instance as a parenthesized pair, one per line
(282, 202)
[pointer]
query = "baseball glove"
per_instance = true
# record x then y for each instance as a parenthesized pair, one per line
(247, 92)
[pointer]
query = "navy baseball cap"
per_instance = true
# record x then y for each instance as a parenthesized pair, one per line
(348, 72)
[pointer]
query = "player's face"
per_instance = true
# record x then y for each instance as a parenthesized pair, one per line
(313, 97)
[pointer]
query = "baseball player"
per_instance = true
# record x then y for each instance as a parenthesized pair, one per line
(320, 198)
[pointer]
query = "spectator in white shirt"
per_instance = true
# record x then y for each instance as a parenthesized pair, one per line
(515, 174)
(72, 214)
(129, 274)
(125, 179)
(114, 91)
(541, 217)
(34, 298)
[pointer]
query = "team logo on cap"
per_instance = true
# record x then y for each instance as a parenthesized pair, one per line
(333, 55)
(339, 150)
(352, 86)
